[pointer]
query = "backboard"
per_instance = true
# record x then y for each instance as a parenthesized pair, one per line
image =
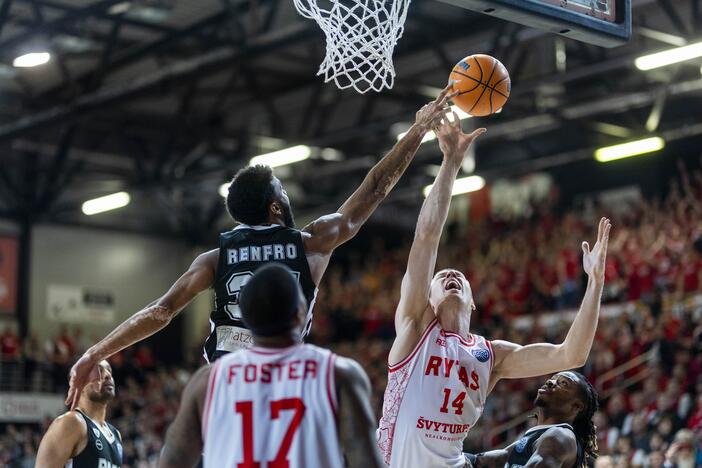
(605, 23)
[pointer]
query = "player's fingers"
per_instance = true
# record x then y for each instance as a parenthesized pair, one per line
(74, 403)
(477, 132)
(444, 92)
(456, 121)
(600, 228)
(605, 240)
(586, 248)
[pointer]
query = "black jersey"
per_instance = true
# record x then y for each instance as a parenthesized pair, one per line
(241, 252)
(102, 450)
(524, 448)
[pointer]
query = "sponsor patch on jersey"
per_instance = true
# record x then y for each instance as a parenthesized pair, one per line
(521, 445)
(482, 355)
(96, 431)
(98, 444)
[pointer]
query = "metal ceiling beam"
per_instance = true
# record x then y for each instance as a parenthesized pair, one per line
(4, 10)
(51, 27)
(674, 17)
(150, 26)
(120, 61)
(202, 64)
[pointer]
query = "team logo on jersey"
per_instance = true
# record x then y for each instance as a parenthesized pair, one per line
(480, 354)
(98, 444)
(96, 431)
(521, 445)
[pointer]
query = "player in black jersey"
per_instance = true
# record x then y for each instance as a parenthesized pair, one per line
(564, 435)
(259, 202)
(81, 438)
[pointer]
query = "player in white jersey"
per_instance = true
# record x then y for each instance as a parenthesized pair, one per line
(274, 405)
(439, 373)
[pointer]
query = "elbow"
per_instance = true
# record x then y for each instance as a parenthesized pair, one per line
(161, 314)
(579, 361)
(575, 358)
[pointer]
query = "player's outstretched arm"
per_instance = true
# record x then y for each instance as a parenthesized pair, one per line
(183, 444)
(354, 394)
(491, 459)
(330, 231)
(62, 441)
(414, 292)
(516, 361)
(554, 449)
(199, 277)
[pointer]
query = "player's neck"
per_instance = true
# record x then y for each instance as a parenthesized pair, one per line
(454, 321)
(275, 341)
(545, 419)
(95, 411)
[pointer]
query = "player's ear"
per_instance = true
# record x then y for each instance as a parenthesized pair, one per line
(275, 208)
(578, 406)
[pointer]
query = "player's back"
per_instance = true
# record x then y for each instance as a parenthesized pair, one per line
(242, 251)
(272, 408)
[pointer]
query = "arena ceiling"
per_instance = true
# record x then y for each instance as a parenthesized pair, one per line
(168, 98)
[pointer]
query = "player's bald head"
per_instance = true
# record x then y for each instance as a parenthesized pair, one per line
(270, 300)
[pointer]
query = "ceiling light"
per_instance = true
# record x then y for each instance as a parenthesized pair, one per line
(463, 185)
(224, 189)
(627, 150)
(669, 57)
(119, 8)
(32, 59)
(106, 203)
(282, 157)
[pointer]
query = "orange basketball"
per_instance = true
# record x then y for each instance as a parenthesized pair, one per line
(483, 83)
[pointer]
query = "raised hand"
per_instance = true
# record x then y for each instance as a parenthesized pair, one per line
(594, 260)
(79, 377)
(428, 116)
(453, 142)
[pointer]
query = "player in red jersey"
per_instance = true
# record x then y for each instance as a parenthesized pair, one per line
(440, 374)
(276, 403)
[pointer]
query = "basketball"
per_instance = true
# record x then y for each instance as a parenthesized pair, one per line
(483, 84)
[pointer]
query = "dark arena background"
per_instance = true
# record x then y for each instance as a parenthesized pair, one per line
(160, 102)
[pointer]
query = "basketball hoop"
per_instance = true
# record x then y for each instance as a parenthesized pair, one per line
(361, 36)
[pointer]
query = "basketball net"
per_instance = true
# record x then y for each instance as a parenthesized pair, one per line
(361, 36)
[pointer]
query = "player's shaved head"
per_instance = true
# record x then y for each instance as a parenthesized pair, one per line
(270, 300)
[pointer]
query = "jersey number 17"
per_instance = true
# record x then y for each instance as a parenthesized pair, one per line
(245, 408)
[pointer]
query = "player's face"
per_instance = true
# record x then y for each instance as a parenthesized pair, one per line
(450, 285)
(281, 196)
(557, 391)
(102, 386)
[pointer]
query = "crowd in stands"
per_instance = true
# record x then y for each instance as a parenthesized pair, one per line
(653, 304)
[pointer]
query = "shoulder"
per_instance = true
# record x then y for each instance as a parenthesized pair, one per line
(327, 225)
(196, 389)
(501, 348)
(70, 423)
(210, 255)
(200, 378)
(349, 372)
(559, 440)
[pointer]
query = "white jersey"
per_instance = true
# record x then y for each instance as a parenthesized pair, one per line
(434, 396)
(272, 408)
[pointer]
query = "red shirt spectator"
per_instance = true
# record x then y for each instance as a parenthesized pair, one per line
(9, 344)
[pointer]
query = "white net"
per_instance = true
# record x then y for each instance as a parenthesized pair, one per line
(361, 36)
